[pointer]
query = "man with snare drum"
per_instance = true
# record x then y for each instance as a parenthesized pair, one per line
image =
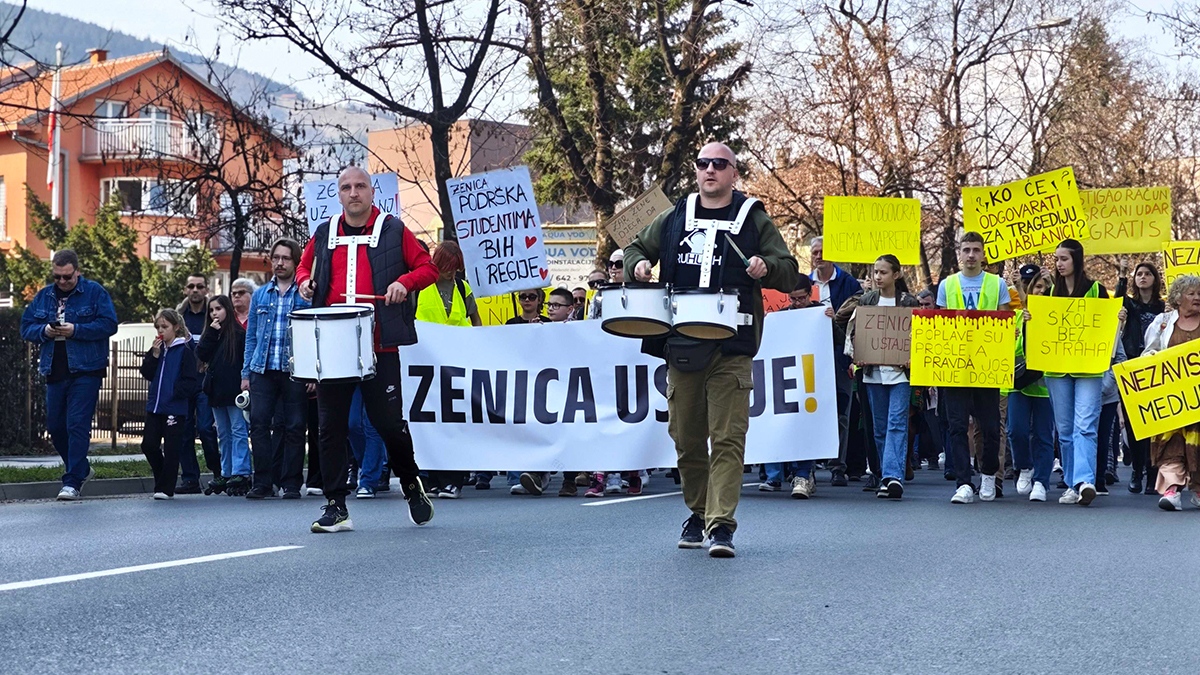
(387, 269)
(716, 239)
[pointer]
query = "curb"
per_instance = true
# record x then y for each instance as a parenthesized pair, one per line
(107, 487)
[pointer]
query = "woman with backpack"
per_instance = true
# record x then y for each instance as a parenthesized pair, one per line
(222, 348)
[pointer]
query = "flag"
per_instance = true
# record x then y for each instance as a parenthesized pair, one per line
(53, 141)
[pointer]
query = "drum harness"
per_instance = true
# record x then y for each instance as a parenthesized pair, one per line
(710, 228)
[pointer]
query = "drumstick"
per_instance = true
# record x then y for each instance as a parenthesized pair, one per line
(737, 250)
(349, 296)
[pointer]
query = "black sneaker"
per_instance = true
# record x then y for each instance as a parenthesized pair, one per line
(188, 489)
(258, 492)
(420, 507)
(890, 489)
(291, 493)
(872, 484)
(450, 492)
(334, 518)
(720, 542)
(1101, 489)
(383, 486)
(839, 478)
(534, 482)
(693, 532)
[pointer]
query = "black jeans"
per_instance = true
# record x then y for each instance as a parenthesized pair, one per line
(963, 403)
(281, 464)
(385, 408)
(1107, 441)
(163, 440)
(313, 478)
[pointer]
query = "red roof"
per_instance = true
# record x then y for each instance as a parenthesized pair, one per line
(24, 101)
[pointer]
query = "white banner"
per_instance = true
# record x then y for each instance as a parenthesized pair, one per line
(556, 397)
(321, 198)
(499, 231)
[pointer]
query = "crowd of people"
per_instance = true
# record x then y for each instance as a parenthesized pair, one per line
(219, 372)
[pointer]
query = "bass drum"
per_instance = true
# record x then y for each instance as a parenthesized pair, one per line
(705, 314)
(635, 310)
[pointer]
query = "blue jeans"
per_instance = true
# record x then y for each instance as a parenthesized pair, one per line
(202, 424)
(1077, 416)
(889, 408)
(1031, 432)
(365, 443)
(70, 407)
(234, 441)
(775, 470)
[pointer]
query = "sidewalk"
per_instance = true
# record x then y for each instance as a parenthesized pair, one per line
(25, 462)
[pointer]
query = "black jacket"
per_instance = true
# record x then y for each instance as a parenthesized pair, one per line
(223, 379)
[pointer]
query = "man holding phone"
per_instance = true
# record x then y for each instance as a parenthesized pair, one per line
(72, 319)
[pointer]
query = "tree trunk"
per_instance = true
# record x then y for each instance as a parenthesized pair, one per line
(439, 136)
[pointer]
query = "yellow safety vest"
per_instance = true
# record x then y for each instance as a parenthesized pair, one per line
(989, 293)
(431, 309)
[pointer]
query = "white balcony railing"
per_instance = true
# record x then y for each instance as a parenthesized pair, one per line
(145, 139)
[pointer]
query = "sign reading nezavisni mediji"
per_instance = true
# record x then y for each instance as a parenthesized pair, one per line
(882, 335)
(1180, 257)
(860, 229)
(1071, 335)
(321, 198)
(498, 227)
(962, 348)
(1161, 392)
(1025, 216)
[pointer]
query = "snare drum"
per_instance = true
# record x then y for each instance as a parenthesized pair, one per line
(635, 310)
(334, 343)
(704, 314)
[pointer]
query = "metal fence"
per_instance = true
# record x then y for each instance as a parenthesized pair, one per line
(22, 397)
(121, 410)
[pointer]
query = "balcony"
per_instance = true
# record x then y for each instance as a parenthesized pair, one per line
(145, 139)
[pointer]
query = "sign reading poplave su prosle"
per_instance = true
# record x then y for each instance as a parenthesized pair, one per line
(499, 230)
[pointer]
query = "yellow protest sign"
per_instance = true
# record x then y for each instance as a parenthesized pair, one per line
(1024, 216)
(1161, 392)
(1126, 220)
(497, 309)
(1071, 335)
(1180, 257)
(860, 229)
(962, 348)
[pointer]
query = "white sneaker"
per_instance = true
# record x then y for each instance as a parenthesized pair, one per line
(964, 495)
(1195, 500)
(613, 484)
(987, 488)
(1087, 492)
(767, 486)
(314, 492)
(518, 489)
(1069, 496)
(1038, 492)
(67, 494)
(645, 476)
(91, 475)
(1025, 481)
(162, 495)
(802, 488)
(1171, 501)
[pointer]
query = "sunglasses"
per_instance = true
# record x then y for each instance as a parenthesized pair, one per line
(557, 305)
(718, 163)
(193, 287)
(236, 293)
(617, 264)
(527, 296)
(579, 301)
(64, 277)
(595, 283)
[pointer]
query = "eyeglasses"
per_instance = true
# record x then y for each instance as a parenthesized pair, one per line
(525, 297)
(194, 287)
(718, 163)
(557, 305)
(281, 258)
(236, 293)
(64, 277)
(616, 264)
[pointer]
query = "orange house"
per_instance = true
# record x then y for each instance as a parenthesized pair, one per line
(143, 130)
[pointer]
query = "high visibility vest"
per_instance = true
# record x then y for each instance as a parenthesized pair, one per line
(989, 294)
(431, 309)
(1037, 389)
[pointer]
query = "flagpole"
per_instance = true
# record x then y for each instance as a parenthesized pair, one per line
(54, 170)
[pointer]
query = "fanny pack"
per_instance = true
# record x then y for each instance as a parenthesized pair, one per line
(690, 356)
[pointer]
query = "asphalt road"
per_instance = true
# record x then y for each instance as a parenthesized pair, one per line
(496, 583)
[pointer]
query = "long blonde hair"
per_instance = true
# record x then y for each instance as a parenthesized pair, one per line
(174, 318)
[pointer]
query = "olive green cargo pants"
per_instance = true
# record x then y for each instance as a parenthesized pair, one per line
(713, 403)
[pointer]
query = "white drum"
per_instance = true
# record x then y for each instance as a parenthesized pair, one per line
(333, 343)
(703, 314)
(635, 310)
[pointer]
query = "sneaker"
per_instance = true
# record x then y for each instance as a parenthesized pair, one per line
(1171, 501)
(1069, 496)
(583, 479)
(838, 478)
(291, 493)
(1110, 478)
(770, 486)
(596, 489)
(890, 489)
(517, 489)
(420, 508)
(188, 489)
(613, 486)
(162, 495)
(1025, 482)
(450, 492)
(314, 492)
(1195, 500)
(635, 484)
(803, 488)
(720, 542)
(872, 484)
(259, 492)
(965, 494)
(568, 489)
(999, 488)
(1087, 492)
(364, 493)
(987, 488)
(384, 485)
(90, 475)
(1101, 489)
(334, 518)
(482, 483)
(1038, 492)
(693, 532)
(1135, 484)
(434, 491)
(67, 494)
(534, 482)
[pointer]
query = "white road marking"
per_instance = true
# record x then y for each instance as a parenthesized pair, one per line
(622, 500)
(16, 585)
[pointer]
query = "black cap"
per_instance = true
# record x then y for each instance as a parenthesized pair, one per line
(1030, 271)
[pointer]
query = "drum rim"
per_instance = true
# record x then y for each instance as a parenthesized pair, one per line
(665, 325)
(705, 291)
(338, 312)
(633, 285)
(331, 380)
(705, 324)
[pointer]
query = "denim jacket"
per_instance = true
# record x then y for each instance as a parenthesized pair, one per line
(260, 325)
(90, 309)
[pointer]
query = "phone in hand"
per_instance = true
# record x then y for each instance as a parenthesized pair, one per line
(56, 324)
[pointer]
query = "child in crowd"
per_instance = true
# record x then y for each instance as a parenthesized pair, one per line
(170, 366)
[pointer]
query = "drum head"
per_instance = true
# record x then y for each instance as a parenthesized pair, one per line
(700, 330)
(332, 312)
(632, 327)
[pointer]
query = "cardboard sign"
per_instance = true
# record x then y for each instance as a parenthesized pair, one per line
(962, 348)
(626, 224)
(321, 199)
(882, 335)
(1024, 216)
(775, 301)
(1180, 257)
(1161, 392)
(1071, 335)
(499, 230)
(1126, 220)
(860, 229)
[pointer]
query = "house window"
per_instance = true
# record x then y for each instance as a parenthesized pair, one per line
(111, 109)
(156, 113)
(149, 196)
